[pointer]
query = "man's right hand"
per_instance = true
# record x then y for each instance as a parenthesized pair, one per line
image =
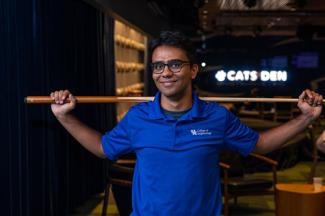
(64, 103)
(61, 107)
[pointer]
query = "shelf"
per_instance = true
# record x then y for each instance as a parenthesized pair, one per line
(128, 66)
(129, 89)
(124, 41)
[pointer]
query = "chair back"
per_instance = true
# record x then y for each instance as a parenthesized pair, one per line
(120, 180)
(234, 160)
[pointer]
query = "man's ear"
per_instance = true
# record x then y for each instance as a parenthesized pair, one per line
(194, 70)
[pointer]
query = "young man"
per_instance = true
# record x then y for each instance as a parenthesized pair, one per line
(320, 142)
(177, 137)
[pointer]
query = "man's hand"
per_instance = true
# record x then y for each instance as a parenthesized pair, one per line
(61, 107)
(310, 104)
(86, 136)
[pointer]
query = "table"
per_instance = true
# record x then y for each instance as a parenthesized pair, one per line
(299, 200)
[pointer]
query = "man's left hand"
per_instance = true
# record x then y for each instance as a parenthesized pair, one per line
(310, 104)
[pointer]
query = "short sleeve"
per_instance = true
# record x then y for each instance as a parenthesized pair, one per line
(238, 136)
(117, 141)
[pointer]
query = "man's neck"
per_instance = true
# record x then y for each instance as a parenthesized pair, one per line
(177, 104)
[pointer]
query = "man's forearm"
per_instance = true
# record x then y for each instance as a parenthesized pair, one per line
(320, 142)
(274, 138)
(86, 136)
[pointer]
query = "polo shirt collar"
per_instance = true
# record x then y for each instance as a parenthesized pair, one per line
(197, 110)
(198, 107)
(155, 111)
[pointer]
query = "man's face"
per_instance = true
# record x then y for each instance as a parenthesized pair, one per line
(173, 84)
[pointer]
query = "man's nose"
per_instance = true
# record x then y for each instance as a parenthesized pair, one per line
(167, 72)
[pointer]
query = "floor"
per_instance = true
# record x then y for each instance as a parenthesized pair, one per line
(258, 205)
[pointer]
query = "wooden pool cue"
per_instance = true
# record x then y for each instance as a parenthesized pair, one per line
(117, 99)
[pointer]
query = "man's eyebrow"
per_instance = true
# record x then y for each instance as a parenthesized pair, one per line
(176, 60)
(168, 61)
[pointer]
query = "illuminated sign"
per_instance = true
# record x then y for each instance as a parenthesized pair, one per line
(251, 75)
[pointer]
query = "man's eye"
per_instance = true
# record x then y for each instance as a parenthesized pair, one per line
(175, 65)
(158, 66)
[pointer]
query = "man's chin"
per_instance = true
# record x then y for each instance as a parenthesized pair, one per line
(167, 93)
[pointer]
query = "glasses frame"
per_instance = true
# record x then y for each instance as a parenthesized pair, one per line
(183, 63)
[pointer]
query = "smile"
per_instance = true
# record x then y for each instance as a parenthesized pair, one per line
(167, 83)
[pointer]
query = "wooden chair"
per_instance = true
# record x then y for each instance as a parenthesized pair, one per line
(120, 180)
(241, 185)
(283, 111)
(311, 130)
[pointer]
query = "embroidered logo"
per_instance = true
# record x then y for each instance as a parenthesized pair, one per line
(200, 132)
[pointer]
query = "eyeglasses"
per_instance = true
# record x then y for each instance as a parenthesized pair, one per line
(174, 66)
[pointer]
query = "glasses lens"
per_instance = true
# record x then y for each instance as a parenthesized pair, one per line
(175, 65)
(157, 67)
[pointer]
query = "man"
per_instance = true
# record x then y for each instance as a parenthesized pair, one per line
(177, 137)
(320, 142)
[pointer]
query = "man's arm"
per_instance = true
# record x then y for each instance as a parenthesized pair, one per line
(310, 104)
(320, 142)
(86, 136)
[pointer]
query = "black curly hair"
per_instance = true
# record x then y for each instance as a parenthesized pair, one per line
(175, 39)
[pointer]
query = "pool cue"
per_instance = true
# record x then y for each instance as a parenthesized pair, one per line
(117, 99)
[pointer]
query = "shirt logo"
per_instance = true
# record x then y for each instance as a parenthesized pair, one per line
(200, 132)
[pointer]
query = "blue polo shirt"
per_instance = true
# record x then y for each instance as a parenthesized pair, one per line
(177, 170)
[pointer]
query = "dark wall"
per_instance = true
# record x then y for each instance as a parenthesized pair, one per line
(136, 12)
(47, 45)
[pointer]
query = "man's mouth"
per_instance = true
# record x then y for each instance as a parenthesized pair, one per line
(168, 83)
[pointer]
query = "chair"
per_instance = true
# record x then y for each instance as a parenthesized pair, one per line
(311, 130)
(283, 111)
(235, 183)
(120, 180)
